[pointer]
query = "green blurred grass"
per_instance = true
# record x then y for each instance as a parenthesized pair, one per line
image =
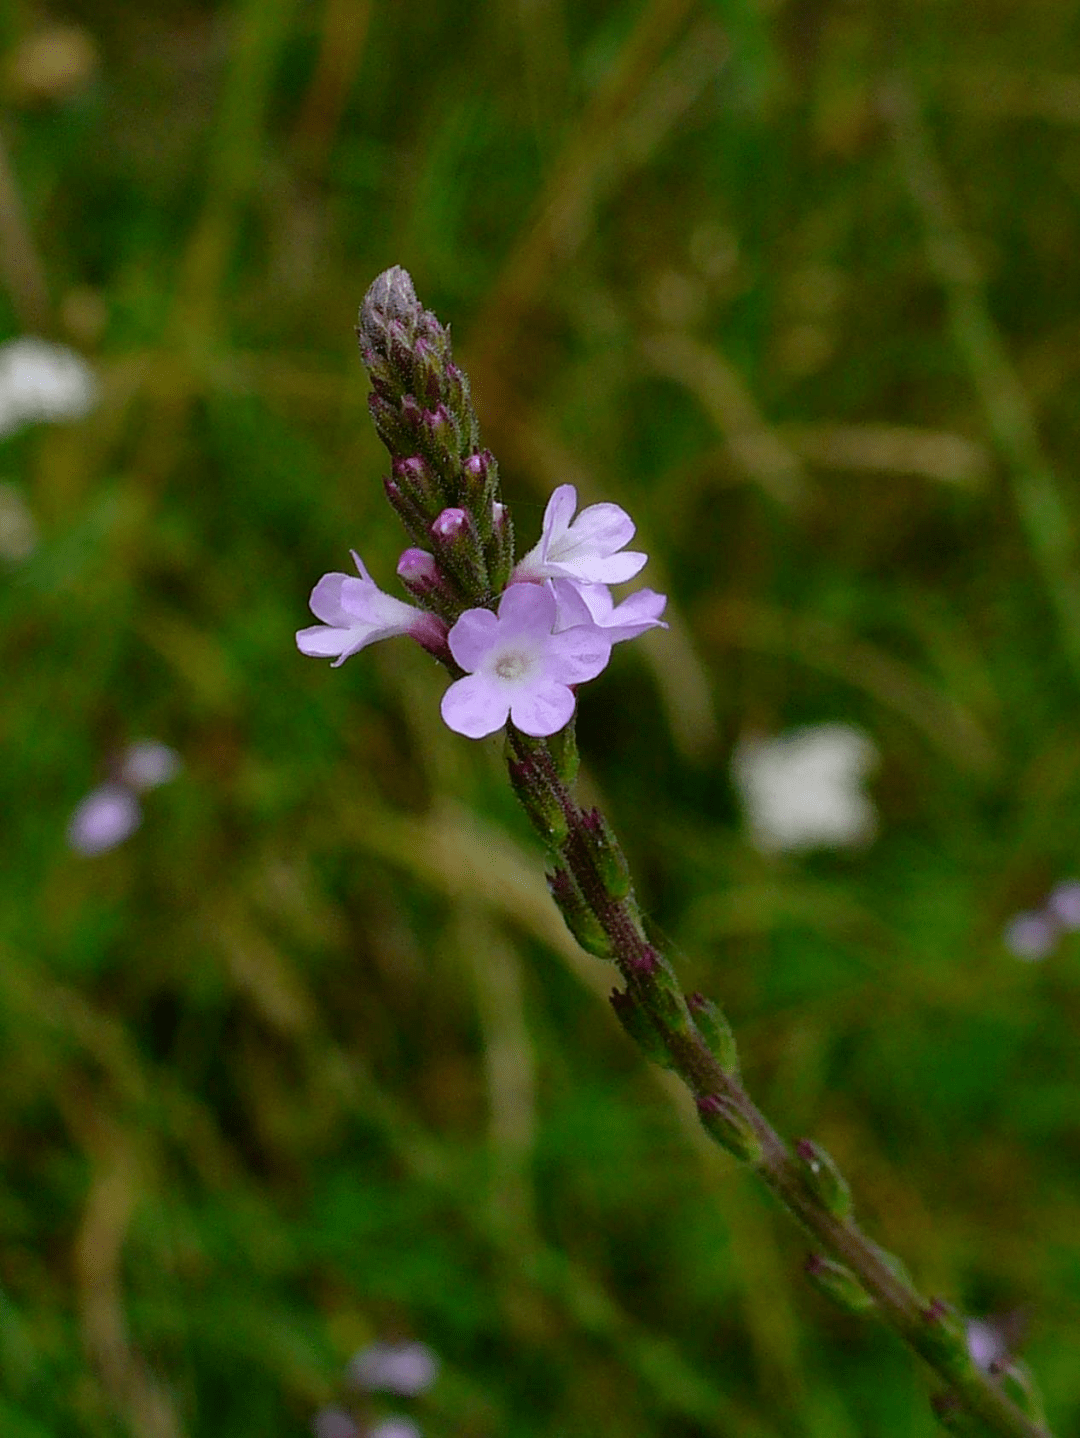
(310, 1061)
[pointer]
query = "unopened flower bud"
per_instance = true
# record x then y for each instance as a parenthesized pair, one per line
(607, 855)
(546, 813)
(391, 426)
(428, 372)
(724, 1122)
(399, 351)
(653, 980)
(390, 297)
(838, 1283)
(823, 1178)
(442, 436)
(422, 577)
(406, 508)
(943, 1340)
(714, 1028)
(563, 749)
(637, 1023)
(499, 549)
(459, 403)
(580, 919)
(458, 549)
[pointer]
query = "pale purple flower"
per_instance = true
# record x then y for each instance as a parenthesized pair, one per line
(593, 604)
(1030, 936)
(987, 1344)
(148, 763)
(355, 613)
(1064, 904)
(106, 817)
(586, 548)
(407, 1369)
(517, 667)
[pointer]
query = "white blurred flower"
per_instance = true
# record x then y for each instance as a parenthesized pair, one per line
(403, 1368)
(43, 381)
(148, 763)
(106, 817)
(395, 1428)
(18, 532)
(803, 789)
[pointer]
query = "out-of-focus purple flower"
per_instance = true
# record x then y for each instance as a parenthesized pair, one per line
(334, 1423)
(148, 763)
(394, 1428)
(356, 613)
(1030, 936)
(403, 1368)
(106, 817)
(586, 548)
(43, 381)
(1064, 903)
(516, 667)
(987, 1344)
(593, 604)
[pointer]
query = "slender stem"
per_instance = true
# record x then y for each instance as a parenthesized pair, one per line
(545, 793)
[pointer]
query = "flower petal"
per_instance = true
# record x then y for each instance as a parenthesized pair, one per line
(591, 568)
(577, 654)
(475, 707)
(325, 602)
(321, 641)
(557, 516)
(542, 709)
(472, 636)
(527, 609)
(599, 530)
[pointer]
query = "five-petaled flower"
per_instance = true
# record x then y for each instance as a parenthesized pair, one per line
(517, 667)
(586, 549)
(356, 612)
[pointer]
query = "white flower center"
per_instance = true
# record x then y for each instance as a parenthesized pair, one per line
(512, 664)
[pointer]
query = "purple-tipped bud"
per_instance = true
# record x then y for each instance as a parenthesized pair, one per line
(580, 919)
(442, 433)
(450, 525)
(420, 573)
(428, 372)
(653, 981)
(458, 550)
(944, 1340)
(823, 1178)
(635, 1020)
(408, 511)
(714, 1028)
(417, 566)
(722, 1119)
(500, 547)
(395, 430)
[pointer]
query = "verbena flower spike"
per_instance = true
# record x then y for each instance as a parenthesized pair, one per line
(516, 641)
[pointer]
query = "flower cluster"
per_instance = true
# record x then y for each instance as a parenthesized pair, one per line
(517, 639)
(554, 626)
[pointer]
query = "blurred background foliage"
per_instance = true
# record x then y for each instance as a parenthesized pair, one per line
(309, 1060)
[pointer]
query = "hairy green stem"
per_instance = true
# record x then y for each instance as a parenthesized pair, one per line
(601, 911)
